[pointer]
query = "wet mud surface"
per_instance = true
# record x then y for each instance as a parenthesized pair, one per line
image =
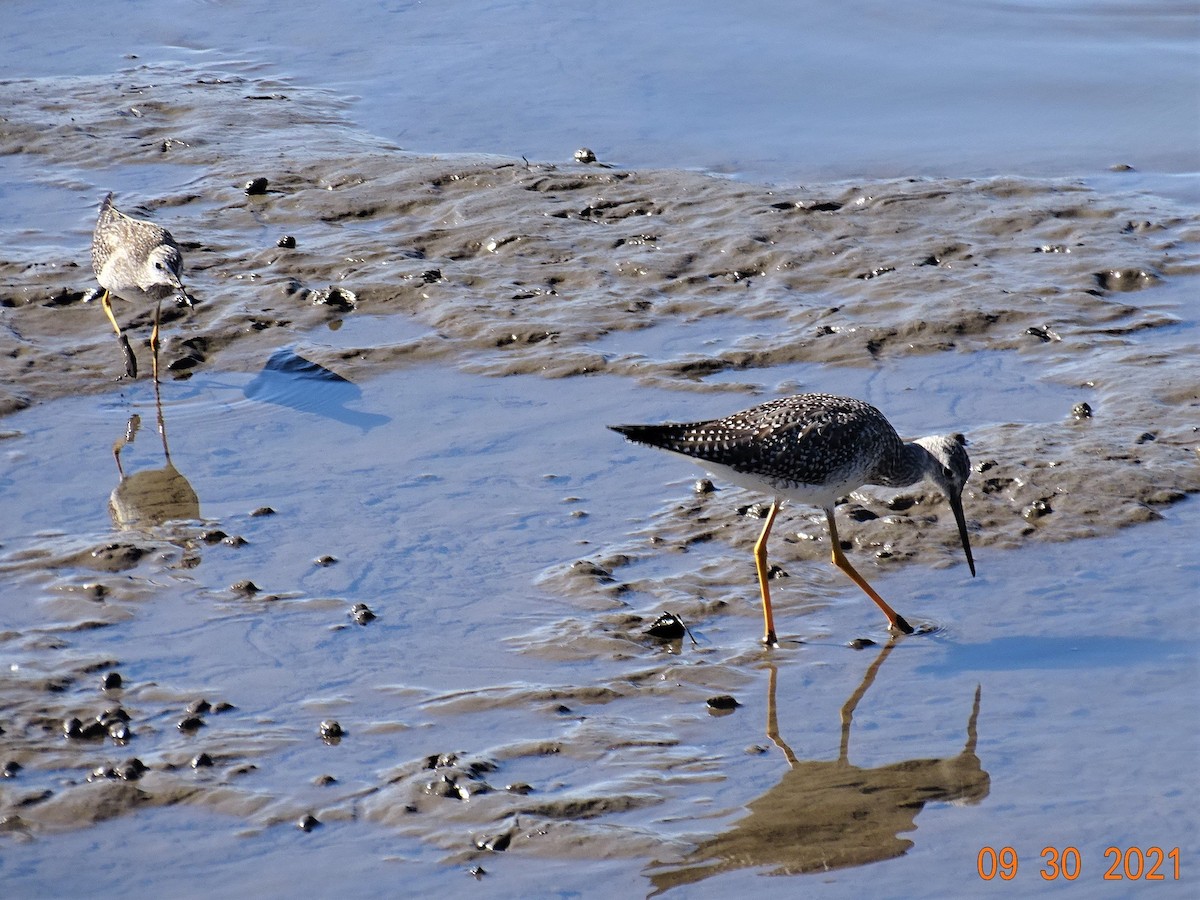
(392, 392)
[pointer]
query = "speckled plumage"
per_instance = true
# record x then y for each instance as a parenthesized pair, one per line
(814, 448)
(137, 261)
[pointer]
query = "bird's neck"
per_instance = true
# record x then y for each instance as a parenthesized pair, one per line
(907, 465)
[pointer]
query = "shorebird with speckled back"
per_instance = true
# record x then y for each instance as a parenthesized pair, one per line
(812, 449)
(137, 261)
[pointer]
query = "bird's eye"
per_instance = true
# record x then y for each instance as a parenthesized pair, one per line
(947, 473)
(158, 266)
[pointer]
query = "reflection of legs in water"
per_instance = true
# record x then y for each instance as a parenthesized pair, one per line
(131, 430)
(132, 427)
(847, 708)
(162, 423)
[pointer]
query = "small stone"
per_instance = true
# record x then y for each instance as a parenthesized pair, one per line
(585, 155)
(326, 560)
(497, 843)
(263, 511)
(198, 707)
(256, 186)
(201, 761)
(519, 787)
(1037, 509)
(361, 613)
(861, 644)
(10, 769)
(431, 276)
(190, 723)
(331, 730)
(723, 702)
(324, 780)
(477, 872)
(111, 681)
(704, 486)
(1081, 411)
(1146, 437)
(667, 627)
(308, 822)
(234, 540)
(132, 770)
(119, 732)
(287, 242)
(246, 587)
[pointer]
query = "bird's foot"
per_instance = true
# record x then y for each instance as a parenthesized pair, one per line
(900, 626)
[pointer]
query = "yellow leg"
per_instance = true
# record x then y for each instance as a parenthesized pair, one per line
(895, 621)
(107, 304)
(760, 563)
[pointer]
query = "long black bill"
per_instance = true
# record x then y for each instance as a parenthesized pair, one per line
(956, 506)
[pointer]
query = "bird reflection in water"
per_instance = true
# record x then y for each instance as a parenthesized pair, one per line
(151, 497)
(826, 815)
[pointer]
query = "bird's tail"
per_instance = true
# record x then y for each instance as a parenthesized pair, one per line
(667, 436)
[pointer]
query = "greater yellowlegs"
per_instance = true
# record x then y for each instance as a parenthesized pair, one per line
(812, 449)
(137, 261)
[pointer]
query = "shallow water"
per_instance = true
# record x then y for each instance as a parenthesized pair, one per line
(431, 444)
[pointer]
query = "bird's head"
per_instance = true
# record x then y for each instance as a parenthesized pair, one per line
(162, 274)
(949, 469)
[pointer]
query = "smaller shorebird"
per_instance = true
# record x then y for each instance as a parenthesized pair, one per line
(812, 449)
(135, 260)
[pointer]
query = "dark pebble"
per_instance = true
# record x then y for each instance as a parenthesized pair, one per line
(1037, 509)
(235, 540)
(668, 627)
(1081, 411)
(361, 613)
(775, 572)
(115, 714)
(755, 510)
(201, 761)
(247, 587)
(704, 486)
(308, 822)
(497, 843)
(112, 681)
(477, 872)
(431, 276)
(222, 706)
(331, 730)
(190, 723)
(132, 770)
(257, 186)
(1146, 437)
(519, 787)
(585, 155)
(287, 242)
(263, 511)
(10, 769)
(119, 731)
(861, 514)
(325, 560)
(324, 780)
(861, 644)
(198, 707)
(723, 702)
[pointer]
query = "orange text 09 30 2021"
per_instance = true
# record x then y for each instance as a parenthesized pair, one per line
(1066, 864)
